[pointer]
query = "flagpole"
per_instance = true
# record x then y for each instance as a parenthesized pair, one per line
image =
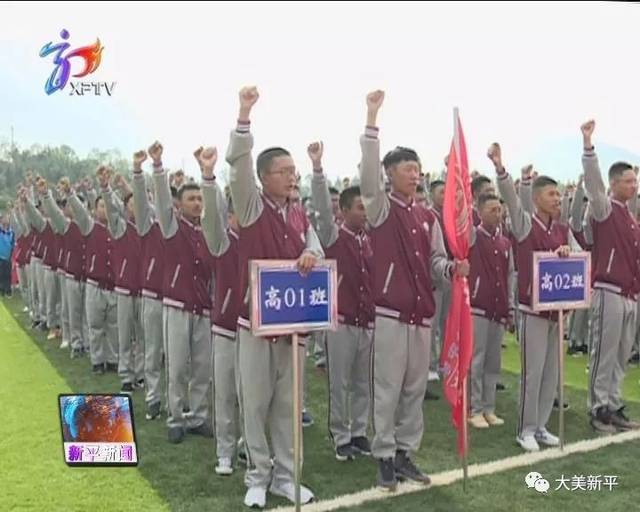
(465, 435)
(561, 377)
(297, 419)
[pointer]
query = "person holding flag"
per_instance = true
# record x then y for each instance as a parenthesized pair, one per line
(408, 257)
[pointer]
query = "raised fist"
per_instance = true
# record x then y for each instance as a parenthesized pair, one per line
(41, 185)
(104, 175)
(155, 152)
(587, 128)
(315, 150)
(248, 97)
(139, 158)
(495, 154)
(207, 159)
(375, 99)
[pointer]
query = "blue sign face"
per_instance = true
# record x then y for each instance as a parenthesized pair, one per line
(562, 280)
(286, 297)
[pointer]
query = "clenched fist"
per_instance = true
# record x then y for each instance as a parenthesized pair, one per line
(139, 158)
(315, 151)
(155, 152)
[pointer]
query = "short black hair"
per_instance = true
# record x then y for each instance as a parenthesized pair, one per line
(543, 181)
(618, 168)
(265, 159)
(127, 198)
(333, 191)
(174, 192)
(185, 188)
(486, 197)
(477, 183)
(399, 154)
(347, 197)
(434, 184)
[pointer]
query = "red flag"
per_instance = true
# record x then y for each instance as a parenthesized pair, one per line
(457, 349)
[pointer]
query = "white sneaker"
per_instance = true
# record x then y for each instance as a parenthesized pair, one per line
(288, 490)
(256, 497)
(25, 309)
(224, 466)
(433, 376)
(528, 443)
(546, 438)
(64, 344)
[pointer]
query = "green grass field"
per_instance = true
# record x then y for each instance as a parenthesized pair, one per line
(181, 477)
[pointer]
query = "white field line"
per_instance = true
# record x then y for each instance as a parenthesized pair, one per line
(476, 470)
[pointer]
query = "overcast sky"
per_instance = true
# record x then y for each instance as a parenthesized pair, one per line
(525, 75)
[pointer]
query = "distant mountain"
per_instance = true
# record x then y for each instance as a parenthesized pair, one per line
(561, 158)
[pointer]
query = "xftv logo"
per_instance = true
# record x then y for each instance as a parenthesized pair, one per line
(89, 57)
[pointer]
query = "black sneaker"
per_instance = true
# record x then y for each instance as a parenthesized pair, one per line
(35, 324)
(635, 359)
(77, 353)
(127, 388)
(407, 470)
(387, 480)
(111, 367)
(556, 405)
(500, 386)
(203, 430)
(98, 369)
(573, 351)
(428, 395)
(42, 326)
(307, 419)
(622, 422)
(140, 383)
(175, 435)
(584, 349)
(153, 411)
(601, 421)
(344, 453)
(361, 445)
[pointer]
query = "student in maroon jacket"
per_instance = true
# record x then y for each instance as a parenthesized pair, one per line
(442, 292)
(270, 228)
(126, 259)
(100, 301)
(348, 348)
(48, 277)
(73, 265)
(408, 259)
(616, 284)
(186, 303)
(220, 229)
(152, 275)
(492, 304)
(538, 231)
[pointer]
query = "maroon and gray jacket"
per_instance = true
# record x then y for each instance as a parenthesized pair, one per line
(491, 275)
(616, 236)
(408, 250)
(267, 230)
(354, 257)
(98, 246)
(532, 235)
(223, 244)
(187, 262)
(153, 247)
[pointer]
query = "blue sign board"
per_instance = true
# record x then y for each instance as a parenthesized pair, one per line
(283, 301)
(561, 283)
